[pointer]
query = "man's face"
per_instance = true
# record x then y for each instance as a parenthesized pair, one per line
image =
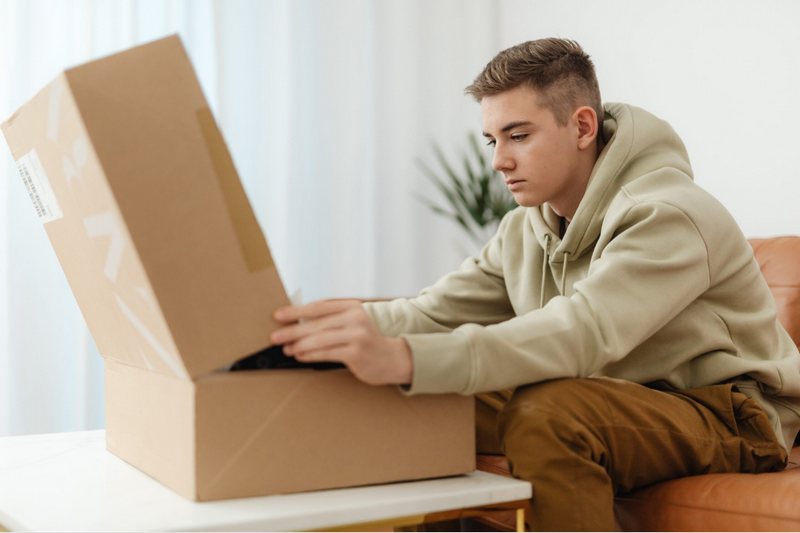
(537, 157)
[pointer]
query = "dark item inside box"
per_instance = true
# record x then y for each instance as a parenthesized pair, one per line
(273, 357)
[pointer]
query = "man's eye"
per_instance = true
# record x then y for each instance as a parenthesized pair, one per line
(519, 137)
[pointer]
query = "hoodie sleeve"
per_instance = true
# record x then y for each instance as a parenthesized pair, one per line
(475, 293)
(653, 268)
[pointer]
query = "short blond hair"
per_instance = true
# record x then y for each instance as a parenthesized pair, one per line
(560, 72)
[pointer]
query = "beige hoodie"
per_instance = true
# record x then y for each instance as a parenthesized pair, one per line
(652, 282)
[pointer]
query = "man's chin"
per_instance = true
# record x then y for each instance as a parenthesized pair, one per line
(526, 200)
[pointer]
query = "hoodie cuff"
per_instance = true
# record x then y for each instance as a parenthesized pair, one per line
(368, 309)
(442, 363)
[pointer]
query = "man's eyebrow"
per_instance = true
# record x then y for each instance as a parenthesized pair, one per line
(511, 126)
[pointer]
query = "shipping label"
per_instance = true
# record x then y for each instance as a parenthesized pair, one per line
(38, 187)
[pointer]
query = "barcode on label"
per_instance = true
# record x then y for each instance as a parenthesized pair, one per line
(32, 192)
(38, 187)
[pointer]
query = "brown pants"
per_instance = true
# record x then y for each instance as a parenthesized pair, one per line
(580, 442)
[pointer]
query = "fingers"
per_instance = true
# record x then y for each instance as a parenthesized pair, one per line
(293, 332)
(318, 341)
(293, 313)
(339, 354)
(349, 355)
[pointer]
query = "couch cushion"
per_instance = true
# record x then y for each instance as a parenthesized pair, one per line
(713, 502)
(779, 259)
(732, 502)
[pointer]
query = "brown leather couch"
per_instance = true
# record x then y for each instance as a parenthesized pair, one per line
(716, 502)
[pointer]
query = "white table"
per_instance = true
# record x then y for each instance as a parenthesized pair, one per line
(68, 482)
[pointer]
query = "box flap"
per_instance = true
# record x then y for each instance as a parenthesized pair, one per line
(178, 208)
(63, 176)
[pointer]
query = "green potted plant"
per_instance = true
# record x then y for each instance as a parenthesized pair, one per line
(476, 197)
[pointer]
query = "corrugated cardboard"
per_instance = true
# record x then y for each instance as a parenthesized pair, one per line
(236, 434)
(158, 240)
(175, 280)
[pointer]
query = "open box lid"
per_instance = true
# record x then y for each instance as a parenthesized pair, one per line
(139, 196)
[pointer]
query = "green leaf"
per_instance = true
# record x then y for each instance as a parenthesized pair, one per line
(454, 202)
(476, 190)
(476, 149)
(477, 198)
(459, 187)
(453, 216)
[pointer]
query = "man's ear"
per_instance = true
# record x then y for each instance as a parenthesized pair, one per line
(585, 119)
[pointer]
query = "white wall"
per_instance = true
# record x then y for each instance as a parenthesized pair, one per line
(724, 74)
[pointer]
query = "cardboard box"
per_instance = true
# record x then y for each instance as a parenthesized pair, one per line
(138, 194)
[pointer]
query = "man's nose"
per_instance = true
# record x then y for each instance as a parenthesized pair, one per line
(501, 161)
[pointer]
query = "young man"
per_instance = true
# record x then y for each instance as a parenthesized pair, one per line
(616, 330)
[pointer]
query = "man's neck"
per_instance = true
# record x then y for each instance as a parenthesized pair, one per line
(569, 206)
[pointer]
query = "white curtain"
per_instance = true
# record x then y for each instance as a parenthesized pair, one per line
(325, 107)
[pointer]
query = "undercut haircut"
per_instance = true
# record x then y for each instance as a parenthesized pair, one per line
(560, 72)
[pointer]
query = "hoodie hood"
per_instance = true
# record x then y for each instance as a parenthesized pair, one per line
(637, 143)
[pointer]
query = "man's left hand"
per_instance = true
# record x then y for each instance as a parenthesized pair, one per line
(341, 331)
